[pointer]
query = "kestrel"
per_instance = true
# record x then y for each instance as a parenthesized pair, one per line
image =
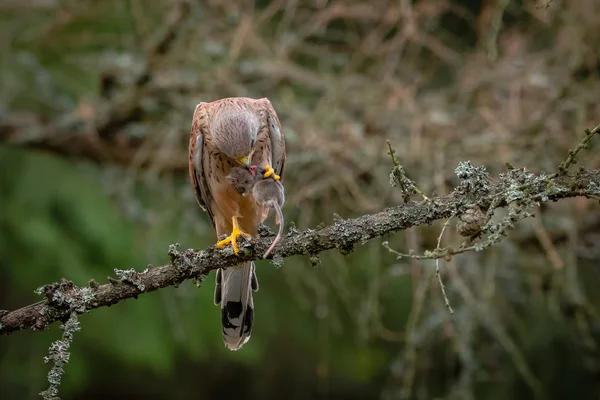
(229, 133)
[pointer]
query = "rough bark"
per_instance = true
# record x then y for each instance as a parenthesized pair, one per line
(513, 188)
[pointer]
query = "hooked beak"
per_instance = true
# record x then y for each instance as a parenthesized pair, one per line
(245, 161)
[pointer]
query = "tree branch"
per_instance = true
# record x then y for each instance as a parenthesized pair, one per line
(64, 298)
(95, 131)
(72, 137)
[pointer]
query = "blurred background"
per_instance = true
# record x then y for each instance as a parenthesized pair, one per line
(96, 100)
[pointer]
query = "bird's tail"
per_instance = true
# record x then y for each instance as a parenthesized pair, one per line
(234, 292)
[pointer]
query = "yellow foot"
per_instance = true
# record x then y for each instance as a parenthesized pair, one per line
(235, 232)
(271, 171)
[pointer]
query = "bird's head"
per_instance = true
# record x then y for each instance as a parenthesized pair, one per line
(234, 133)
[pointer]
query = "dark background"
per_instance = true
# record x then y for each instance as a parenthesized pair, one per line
(96, 100)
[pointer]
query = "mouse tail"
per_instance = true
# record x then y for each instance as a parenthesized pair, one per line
(279, 215)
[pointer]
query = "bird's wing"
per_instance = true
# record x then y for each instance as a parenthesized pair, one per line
(196, 153)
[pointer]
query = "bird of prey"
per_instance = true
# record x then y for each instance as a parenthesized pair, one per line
(227, 133)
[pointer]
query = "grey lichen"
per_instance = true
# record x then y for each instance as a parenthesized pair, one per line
(264, 231)
(514, 195)
(277, 260)
(497, 231)
(226, 251)
(315, 260)
(173, 251)
(87, 297)
(59, 356)
(198, 279)
(520, 181)
(182, 263)
(398, 178)
(292, 230)
(130, 276)
(62, 297)
(474, 180)
(594, 188)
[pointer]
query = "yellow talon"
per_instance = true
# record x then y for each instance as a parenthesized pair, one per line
(271, 171)
(235, 232)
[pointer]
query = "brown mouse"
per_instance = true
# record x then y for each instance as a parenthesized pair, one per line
(267, 192)
(242, 179)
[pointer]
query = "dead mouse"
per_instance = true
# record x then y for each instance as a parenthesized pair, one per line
(242, 179)
(267, 192)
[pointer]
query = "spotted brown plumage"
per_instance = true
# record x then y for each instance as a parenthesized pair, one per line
(226, 133)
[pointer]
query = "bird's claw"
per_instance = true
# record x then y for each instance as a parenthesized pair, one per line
(270, 171)
(235, 232)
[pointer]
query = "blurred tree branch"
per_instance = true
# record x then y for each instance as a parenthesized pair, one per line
(94, 131)
(95, 141)
(517, 189)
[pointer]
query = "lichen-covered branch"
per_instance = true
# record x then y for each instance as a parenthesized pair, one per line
(63, 298)
(473, 223)
(59, 356)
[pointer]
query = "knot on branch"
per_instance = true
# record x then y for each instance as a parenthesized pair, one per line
(470, 223)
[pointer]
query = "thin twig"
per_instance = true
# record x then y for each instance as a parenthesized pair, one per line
(437, 267)
(398, 178)
(583, 144)
(496, 25)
